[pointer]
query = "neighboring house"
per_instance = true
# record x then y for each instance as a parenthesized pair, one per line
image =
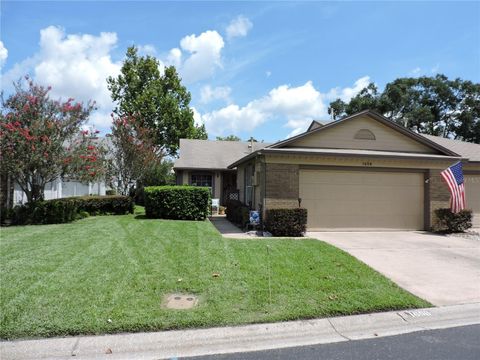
(362, 172)
(61, 188)
(205, 163)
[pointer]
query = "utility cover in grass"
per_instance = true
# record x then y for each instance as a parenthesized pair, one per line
(180, 301)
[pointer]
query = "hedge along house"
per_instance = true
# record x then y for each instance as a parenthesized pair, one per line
(205, 163)
(362, 172)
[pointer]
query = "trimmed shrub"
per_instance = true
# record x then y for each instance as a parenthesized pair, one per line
(58, 211)
(237, 212)
(286, 222)
(6, 215)
(105, 205)
(110, 192)
(177, 202)
(449, 222)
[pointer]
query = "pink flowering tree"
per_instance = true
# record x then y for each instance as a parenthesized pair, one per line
(132, 154)
(42, 140)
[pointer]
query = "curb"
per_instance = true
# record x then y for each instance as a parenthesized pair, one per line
(222, 340)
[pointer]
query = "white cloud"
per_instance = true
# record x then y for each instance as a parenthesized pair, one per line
(285, 101)
(347, 93)
(197, 118)
(147, 49)
(205, 55)
(297, 105)
(209, 94)
(3, 54)
(416, 71)
(74, 66)
(239, 27)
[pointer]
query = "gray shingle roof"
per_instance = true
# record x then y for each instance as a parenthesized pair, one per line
(208, 154)
(467, 150)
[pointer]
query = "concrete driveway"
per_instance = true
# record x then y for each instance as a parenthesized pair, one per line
(443, 270)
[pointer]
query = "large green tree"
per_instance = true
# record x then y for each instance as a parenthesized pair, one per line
(157, 99)
(428, 105)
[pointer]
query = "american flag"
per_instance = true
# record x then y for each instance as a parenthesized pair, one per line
(454, 179)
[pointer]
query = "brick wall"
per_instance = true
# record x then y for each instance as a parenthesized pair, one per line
(439, 194)
(281, 186)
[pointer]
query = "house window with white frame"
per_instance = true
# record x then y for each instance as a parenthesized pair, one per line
(205, 180)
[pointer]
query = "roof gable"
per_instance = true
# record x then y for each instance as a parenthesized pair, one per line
(349, 133)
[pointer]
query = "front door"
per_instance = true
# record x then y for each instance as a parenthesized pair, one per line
(229, 181)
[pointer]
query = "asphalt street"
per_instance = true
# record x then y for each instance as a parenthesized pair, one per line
(459, 343)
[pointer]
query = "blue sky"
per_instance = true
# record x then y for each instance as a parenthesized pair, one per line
(261, 69)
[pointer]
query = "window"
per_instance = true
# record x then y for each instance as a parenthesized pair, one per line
(364, 134)
(201, 180)
(249, 173)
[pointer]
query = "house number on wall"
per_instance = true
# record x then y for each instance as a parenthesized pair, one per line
(367, 163)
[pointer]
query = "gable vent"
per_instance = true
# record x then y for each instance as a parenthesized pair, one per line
(364, 134)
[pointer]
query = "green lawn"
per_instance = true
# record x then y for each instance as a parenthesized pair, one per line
(72, 278)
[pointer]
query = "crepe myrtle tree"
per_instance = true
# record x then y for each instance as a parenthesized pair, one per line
(42, 140)
(132, 154)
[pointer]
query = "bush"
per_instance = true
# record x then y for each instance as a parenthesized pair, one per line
(177, 202)
(6, 214)
(58, 211)
(237, 212)
(105, 205)
(449, 222)
(110, 192)
(286, 222)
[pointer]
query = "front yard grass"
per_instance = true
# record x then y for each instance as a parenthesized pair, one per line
(109, 274)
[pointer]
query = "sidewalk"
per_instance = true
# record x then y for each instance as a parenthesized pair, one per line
(174, 344)
(227, 229)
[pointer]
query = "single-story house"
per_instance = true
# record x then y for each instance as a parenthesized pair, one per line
(206, 163)
(362, 172)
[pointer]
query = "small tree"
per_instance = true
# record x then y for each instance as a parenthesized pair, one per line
(41, 140)
(132, 153)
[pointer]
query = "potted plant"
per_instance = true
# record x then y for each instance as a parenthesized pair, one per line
(221, 210)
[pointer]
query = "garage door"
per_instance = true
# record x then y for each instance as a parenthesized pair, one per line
(472, 189)
(359, 200)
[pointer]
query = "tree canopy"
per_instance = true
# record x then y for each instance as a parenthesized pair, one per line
(157, 99)
(428, 105)
(229, 138)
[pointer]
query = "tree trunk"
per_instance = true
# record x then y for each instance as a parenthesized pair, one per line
(34, 191)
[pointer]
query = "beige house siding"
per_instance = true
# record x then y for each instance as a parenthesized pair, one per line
(342, 137)
(364, 162)
(472, 189)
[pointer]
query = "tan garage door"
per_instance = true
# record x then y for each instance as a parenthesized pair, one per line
(361, 200)
(472, 189)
